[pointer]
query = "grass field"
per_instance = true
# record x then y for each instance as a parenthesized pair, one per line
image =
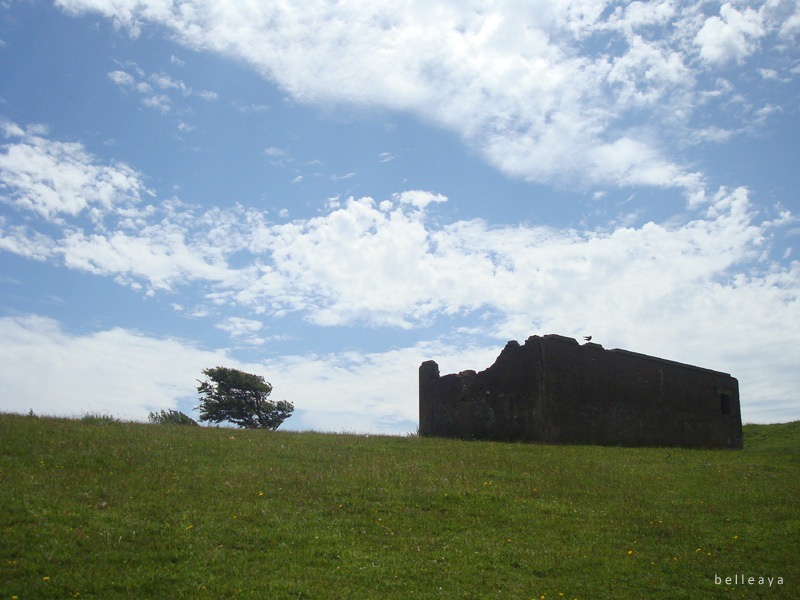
(95, 508)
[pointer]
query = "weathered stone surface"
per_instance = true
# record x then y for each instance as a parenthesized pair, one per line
(554, 390)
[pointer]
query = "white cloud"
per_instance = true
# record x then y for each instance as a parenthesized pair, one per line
(122, 79)
(128, 374)
(208, 95)
(345, 176)
(24, 242)
(162, 247)
(546, 91)
(155, 245)
(165, 82)
(252, 108)
(769, 74)
(765, 112)
(630, 162)
(382, 263)
(278, 157)
(275, 152)
(159, 255)
(239, 327)
(361, 262)
(54, 178)
(711, 134)
(699, 288)
(146, 86)
(419, 198)
(646, 73)
(790, 25)
(730, 37)
(160, 102)
(386, 265)
(364, 392)
(117, 371)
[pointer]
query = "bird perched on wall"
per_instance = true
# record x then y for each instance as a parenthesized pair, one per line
(587, 338)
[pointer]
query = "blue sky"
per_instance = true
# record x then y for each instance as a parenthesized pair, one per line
(329, 194)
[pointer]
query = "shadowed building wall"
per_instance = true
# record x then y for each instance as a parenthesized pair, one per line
(552, 389)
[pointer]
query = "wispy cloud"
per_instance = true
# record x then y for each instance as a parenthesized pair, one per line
(546, 92)
(208, 95)
(278, 157)
(238, 326)
(122, 79)
(274, 152)
(252, 108)
(154, 89)
(165, 82)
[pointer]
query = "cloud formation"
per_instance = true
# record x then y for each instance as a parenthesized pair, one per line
(577, 93)
(387, 263)
(731, 36)
(55, 179)
(116, 371)
(379, 262)
(154, 89)
(547, 91)
(334, 392)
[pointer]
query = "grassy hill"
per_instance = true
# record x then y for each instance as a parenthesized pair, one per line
(99, 509)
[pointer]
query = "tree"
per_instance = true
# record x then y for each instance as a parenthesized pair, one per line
(240, 398)
(170, 416)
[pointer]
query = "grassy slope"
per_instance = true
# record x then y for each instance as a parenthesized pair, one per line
(113, 510)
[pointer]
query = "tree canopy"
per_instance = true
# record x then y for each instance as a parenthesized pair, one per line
(240, 398)
(171, 417)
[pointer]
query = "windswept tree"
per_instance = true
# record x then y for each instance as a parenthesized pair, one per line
(172, 417)
(240, 398)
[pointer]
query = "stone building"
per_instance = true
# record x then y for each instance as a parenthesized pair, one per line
(554, 390)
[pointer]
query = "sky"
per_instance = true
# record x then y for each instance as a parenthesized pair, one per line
(330, 193)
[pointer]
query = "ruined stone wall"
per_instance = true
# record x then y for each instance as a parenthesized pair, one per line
(551, 389)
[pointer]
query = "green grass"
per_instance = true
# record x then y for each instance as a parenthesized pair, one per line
(95, 508)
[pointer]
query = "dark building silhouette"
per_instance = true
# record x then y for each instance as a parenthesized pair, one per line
(554, 390)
